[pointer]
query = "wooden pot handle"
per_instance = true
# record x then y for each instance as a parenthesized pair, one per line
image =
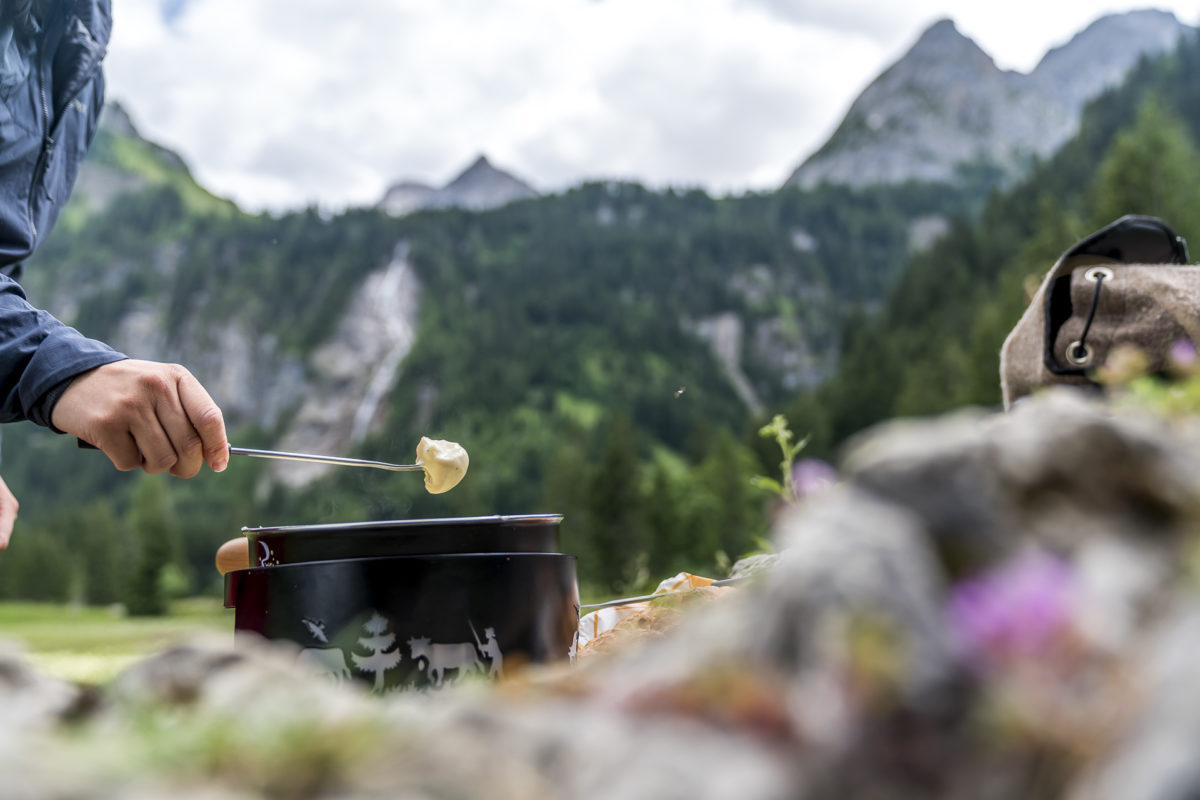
(234, 554)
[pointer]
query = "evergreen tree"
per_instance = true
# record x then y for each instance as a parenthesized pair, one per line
(614, 508)
(665, 530)
(565, 491)
(1152, 168)
(383, 655)
(106, 549)
(156, 532)
(733, 515)
(37, 566)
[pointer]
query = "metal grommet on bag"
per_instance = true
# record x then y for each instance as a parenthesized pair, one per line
(1097, 273)
(1078, 353)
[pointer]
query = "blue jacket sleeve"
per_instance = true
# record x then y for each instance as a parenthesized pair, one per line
(37, 354)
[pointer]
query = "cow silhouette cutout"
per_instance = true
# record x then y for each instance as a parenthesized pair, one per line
(440, 657)
(327, 661)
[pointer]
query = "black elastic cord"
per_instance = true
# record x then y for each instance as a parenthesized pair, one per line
(1081, 349)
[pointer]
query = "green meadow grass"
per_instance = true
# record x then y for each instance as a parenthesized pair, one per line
(92, 645)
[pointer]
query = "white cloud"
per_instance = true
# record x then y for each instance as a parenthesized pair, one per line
(855, 18)
(280, 105)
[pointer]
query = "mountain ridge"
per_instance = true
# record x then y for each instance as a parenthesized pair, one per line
(481, 186)
(945, 106)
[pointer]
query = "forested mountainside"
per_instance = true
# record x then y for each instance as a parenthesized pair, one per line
(607, 353)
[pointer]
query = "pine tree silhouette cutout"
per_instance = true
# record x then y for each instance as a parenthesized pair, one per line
(379, 644)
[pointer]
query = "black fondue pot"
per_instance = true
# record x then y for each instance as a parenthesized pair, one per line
(364, 603)
(531, 533)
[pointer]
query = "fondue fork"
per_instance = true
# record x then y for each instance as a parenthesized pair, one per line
(315, 459)
(312, 459)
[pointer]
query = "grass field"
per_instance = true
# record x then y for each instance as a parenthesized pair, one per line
(91, 645)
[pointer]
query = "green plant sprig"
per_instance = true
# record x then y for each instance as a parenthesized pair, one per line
(779, 430)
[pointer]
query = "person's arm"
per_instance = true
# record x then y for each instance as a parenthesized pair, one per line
(38, 357)
(8, 513)
(140, 413)
(38, 354)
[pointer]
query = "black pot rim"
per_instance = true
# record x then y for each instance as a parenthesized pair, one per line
(409, 557)
(330, 527)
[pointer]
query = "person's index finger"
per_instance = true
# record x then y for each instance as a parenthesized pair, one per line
(208, 421)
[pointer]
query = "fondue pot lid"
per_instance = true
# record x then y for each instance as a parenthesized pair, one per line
(332, 527)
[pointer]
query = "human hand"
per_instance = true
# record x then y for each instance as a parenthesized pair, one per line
(8, 513)
(145, 414)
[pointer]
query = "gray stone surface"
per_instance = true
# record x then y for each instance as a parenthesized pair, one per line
(1154, 758)
(1061, 472)
(31, 700)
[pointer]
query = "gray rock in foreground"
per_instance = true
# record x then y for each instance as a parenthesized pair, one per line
(31, 700)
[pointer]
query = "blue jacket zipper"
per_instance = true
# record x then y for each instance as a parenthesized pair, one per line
(47, 139)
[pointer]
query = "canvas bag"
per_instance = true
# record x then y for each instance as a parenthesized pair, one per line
(1126, 284)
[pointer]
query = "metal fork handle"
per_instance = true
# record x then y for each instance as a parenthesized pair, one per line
(312, 459)
(315, 459)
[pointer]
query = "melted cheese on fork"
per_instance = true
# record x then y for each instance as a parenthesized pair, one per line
(445, 463)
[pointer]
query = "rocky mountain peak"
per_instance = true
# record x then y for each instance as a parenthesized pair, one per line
(942, 42)
(945, 104)
(116, 121)
(479, 187)
(105, 174)
(1099, 56)
(479, 165)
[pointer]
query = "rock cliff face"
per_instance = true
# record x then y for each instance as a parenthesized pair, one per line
(946, 104)
(240, 365)
(479, 187)
(352, 374)
(1100, 56)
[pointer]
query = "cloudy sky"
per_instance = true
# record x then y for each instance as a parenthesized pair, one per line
(280, 104)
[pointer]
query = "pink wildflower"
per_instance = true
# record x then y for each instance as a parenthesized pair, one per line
(1183, 355)
(1017, 609)
(811, 476)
